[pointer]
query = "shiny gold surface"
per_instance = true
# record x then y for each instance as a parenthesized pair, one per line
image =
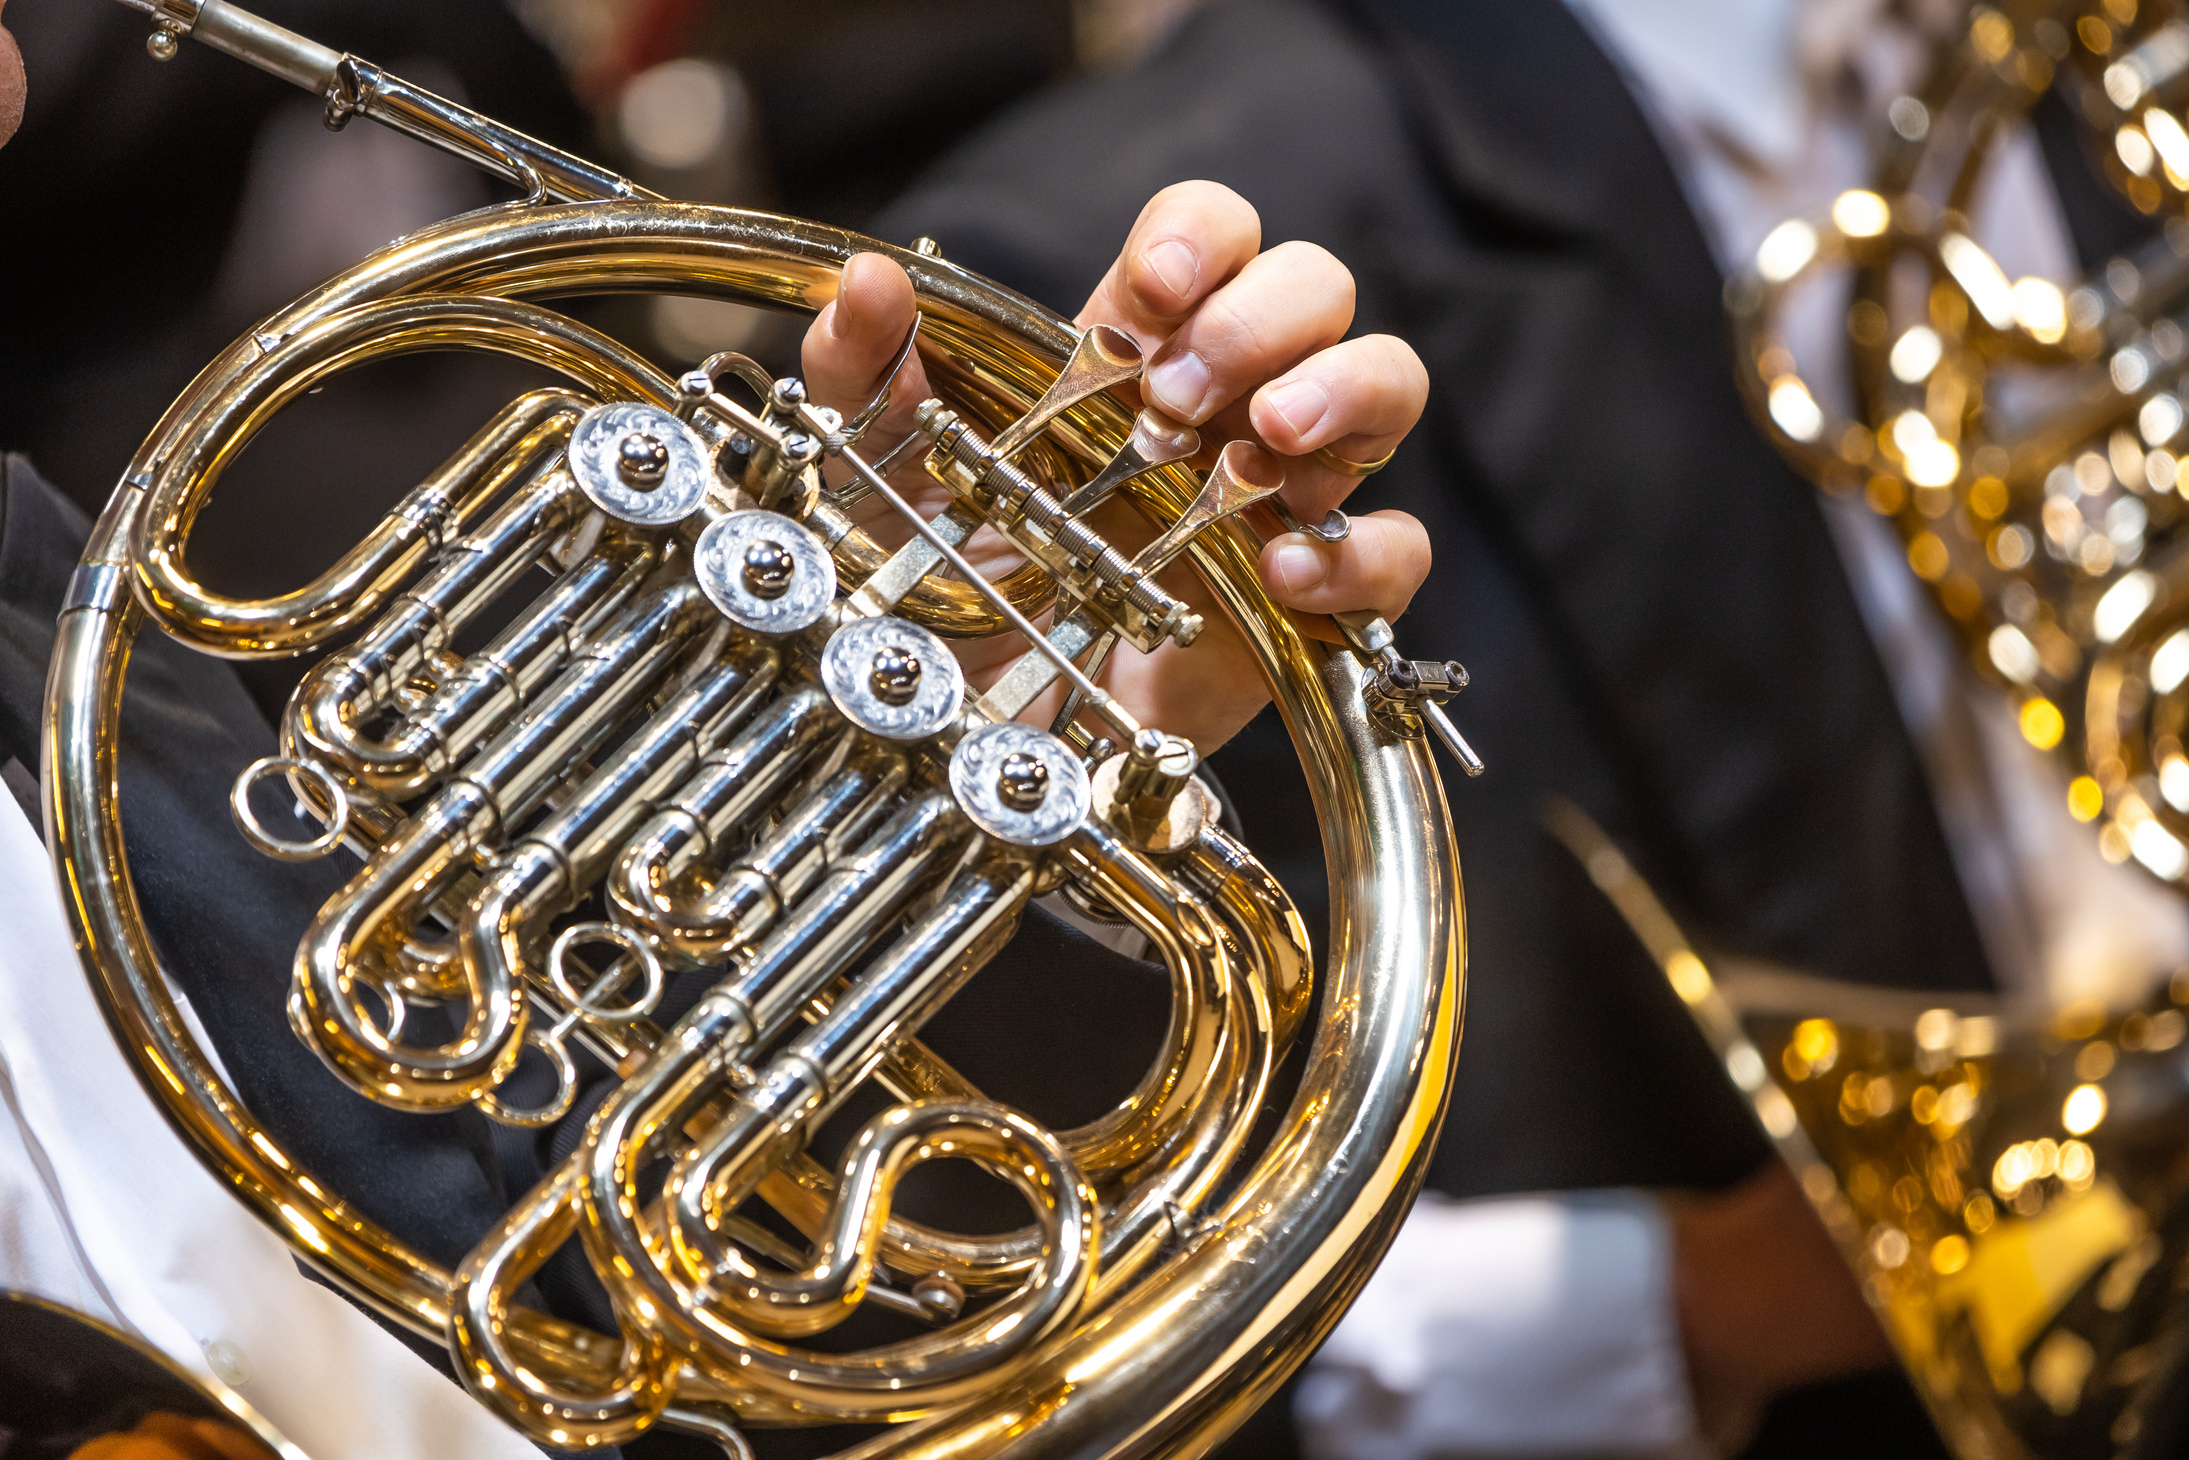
(2011, 1191)
(72, 1384)
(2024, 438)
(1171, 1276)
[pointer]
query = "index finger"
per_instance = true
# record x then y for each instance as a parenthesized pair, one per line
(1189, 241)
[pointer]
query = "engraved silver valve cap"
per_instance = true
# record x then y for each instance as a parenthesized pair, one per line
(642, 460)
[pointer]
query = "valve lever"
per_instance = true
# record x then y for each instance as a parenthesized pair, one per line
(855, 428)
(1156, 440)
(1105, 356)
(1244, 474)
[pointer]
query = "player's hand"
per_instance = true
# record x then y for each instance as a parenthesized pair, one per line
(11, 83)
(1765, 1303)
(1242, 343)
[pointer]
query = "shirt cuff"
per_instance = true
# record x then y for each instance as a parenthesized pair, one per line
(1524, 1326)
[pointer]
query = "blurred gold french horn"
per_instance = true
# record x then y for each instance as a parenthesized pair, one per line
(732, 716)
(2012, 1185)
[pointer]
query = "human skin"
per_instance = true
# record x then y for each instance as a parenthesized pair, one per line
(1765, 1303)
(11, 83)
(1242, 342)
(1249, 344)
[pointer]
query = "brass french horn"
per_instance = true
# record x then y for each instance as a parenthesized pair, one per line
(2010, 1183)
(732, 715)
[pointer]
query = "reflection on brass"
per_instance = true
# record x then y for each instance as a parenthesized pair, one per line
(2010, 1191)
(623, 735)
(72, 1386)
(2026, 439)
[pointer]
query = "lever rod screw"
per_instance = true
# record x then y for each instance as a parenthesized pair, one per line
(769, 568)
(942, 1298)
(896, 677)
(1023, 782)
(642, 461)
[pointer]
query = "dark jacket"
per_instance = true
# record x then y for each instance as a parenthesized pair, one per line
(1656, 620)
(1655, 616)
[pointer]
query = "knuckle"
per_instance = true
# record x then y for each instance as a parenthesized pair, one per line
(1228, 333)
(1316, 268)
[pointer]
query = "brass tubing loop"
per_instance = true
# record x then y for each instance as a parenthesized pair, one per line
(2025, 436)
(640, 739)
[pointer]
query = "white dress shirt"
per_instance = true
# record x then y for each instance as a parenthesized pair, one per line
(1513, 1327)
(1522, 1327)
(103, 1208)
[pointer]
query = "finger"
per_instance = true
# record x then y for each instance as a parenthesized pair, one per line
(12, 86)
(854, 339)
(1379, 566)
(1190, 240)
(1359, 398)
(1286, 304)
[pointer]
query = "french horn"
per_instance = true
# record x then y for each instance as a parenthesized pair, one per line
(71, 1385)
(730, 734)
(2008, 1182)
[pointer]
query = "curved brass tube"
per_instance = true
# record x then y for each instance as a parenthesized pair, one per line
(1267, 929)
(423, 859)
(547, 871)
(552, 1405)
(182, 479)
(659, 887)
(329, 709)
(1245, 1297)
(1165, 1148)
(833, 1283)
(801, 1085)
(656, 1100)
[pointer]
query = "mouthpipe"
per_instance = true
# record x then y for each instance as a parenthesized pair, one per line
(353, 87)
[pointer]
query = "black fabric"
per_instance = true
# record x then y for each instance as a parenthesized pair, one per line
(1876, 1415)
(1656, 620)
(227, 920)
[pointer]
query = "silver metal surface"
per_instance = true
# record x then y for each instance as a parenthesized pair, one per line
(744, 589)
(621, 737)
(596, 455)
(867, 646)
(977, 777)
(1096, 698)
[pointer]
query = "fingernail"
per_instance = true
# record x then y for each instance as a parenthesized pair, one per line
(1301, 403)
(1180, 383)
(1173, 263)
(1298, 566)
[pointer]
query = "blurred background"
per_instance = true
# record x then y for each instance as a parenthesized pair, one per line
(157, 211)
